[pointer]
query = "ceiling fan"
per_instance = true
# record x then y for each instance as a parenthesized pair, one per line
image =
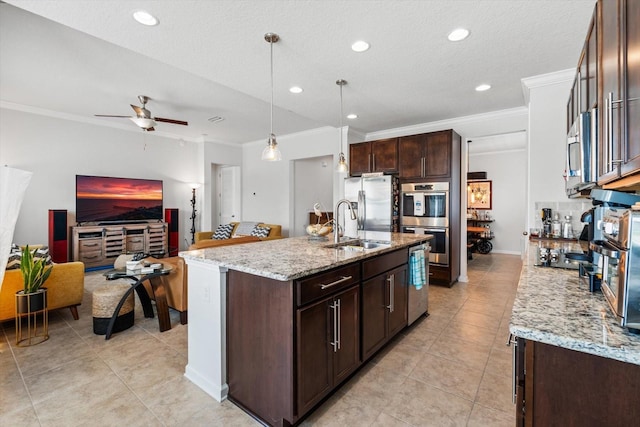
(143, 116)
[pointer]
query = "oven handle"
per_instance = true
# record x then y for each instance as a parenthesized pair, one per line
(435, 230)
(604, 248)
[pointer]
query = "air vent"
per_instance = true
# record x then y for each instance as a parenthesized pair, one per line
(215, 119)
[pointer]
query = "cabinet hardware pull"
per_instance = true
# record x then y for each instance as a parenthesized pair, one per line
(334, 343)
(514, 352)
(339, 310)
(374, 163)
(342, 280)
(86, 245)
(392, 281)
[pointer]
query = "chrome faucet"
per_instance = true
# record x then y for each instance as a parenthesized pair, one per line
(336, 218)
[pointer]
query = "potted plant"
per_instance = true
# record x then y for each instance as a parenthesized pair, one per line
(35, 272)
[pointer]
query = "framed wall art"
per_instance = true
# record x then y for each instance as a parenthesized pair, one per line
(479, 195)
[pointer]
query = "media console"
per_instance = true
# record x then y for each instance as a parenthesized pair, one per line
(100, 245)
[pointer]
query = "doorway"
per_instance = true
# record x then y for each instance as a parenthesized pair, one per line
(312, 183)
(229, 206)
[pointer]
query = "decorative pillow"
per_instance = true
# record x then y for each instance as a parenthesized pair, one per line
(15, 256)
(245, 228)
(223, 231)
(260, 231)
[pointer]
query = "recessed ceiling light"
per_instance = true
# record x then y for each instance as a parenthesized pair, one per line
(360, 46)
(483, 87)
(352, 116)
(145, 18)
(295, 89)
(458, 34)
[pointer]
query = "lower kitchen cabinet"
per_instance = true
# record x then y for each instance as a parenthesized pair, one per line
(384, 309)
(562, 387)
(327, 345)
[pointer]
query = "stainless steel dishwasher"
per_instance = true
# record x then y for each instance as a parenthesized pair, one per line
(418, 298)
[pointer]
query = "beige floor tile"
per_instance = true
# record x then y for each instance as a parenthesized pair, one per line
(420, 404)
(23, 417)
(495, 392)
(478, 319)
(225, 414)
(400, 358)
(374, 386)
(386, 420)
(500, 362)
(448, 375)
(485, 417)
(344, 410)
(473, 354)
(469, 332)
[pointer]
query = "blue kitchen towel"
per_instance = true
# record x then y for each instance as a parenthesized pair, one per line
(417, 269)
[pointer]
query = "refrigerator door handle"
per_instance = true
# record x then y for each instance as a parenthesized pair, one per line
(361, 209)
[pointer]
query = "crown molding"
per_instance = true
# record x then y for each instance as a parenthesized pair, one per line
(541, 80)
(446, 124)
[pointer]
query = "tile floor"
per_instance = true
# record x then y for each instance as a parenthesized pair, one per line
(452, 368)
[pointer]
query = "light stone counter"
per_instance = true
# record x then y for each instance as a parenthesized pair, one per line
(292, 258)
(553, 306)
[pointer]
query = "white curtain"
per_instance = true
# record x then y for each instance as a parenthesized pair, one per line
(13, 184)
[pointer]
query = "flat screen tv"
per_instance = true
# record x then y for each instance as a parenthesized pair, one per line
(107, 199)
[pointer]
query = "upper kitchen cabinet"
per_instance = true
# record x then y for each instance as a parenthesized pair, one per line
(619, 90)
(428, 156)
(374, 156)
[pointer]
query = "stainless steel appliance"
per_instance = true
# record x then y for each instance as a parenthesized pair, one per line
(425, 210)
(620, 253)
(372, 197)
(418, 298)
(582, 155)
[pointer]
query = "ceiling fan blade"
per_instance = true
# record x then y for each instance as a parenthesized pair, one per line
(109, 115)
(139, 110)
(175, 122)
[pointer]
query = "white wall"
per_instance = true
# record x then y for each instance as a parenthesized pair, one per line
(507, 171)
(267, 187)
(55, 150)
(547, 95)
(313, 183)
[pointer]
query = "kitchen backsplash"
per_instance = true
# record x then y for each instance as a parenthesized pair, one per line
(575, 208)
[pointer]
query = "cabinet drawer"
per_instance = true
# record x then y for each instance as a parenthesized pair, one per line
(438, 274)
(327, 283)
(380, 264)
(91, 256)
(89, 245)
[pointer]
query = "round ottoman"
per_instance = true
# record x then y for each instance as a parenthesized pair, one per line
(105, 301)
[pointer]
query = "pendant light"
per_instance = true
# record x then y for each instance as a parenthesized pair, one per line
(342, 162)
(271, 152)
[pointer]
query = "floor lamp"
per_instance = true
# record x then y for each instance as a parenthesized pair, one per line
(194, 187)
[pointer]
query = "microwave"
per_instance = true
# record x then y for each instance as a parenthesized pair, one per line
(581, 155)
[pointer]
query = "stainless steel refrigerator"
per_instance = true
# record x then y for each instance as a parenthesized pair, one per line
(375, 199)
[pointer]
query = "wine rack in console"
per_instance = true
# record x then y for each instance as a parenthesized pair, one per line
(100, 245)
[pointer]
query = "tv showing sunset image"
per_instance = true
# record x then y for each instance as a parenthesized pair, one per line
(108, 199)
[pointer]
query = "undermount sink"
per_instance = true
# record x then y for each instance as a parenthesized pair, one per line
(359, 245)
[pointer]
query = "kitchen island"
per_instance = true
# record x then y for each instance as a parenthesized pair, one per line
(574, 363)
(285, 316)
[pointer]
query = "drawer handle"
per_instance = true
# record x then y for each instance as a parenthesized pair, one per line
(342, 280)
(87, 245)
(90, 257)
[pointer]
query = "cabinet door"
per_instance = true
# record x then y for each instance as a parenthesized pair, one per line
(313, 354)
(359, 158)
(631, 155)
(384, 155)
(398, 291)
(374, 314)
(347, 357)
(411, 156)
(438, 155)
(609, 117)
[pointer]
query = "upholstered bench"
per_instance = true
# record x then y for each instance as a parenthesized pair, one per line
(105, 301)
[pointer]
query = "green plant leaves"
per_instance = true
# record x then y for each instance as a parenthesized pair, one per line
(34, 271)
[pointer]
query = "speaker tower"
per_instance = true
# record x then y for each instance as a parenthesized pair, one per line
(171, 218)
(58, 235)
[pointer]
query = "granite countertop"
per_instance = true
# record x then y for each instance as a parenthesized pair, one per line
(295, 257)
(554, 307)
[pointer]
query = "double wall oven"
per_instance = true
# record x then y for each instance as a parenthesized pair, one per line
(425, 210)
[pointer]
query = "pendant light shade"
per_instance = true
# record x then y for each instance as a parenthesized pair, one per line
(271, 152)
(342, 162)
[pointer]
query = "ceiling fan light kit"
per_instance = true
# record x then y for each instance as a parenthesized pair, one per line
(271, 152)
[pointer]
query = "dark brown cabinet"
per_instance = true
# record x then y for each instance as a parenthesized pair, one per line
(384, 301)
(557, 386)
(425, 156)
(619, 89)
(328, 345)
(374, 156)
